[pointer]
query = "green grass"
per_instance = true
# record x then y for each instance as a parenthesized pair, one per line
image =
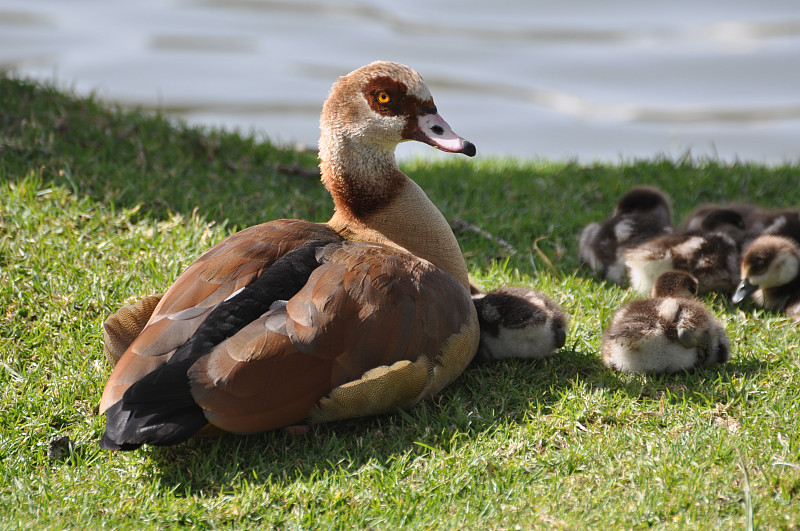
(99, 206)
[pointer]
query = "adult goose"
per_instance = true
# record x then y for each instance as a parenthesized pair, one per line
(291, 322)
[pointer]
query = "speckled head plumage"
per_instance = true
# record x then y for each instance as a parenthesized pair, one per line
(675, 284)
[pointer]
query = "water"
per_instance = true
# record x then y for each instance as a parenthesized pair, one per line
(572, 80)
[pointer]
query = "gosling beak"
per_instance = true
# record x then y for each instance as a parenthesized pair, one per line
(433, 130)
(744, 290)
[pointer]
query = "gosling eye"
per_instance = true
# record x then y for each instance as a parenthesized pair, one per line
(758, 267)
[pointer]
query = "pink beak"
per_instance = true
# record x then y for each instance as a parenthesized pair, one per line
(433, 130)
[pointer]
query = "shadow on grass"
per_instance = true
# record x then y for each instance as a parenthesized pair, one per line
(483, 399)
(704, 387)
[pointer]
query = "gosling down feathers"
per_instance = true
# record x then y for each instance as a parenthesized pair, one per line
(640, 214)
(290, 321)
(712, 257)
(645, 200)
(518, 323)
(730, 220)
(779, 223)
(667, 333)
(771, 274)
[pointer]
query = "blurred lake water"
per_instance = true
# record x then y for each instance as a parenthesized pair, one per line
(579, 79)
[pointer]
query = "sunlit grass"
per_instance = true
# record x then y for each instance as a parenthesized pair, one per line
(100, 206)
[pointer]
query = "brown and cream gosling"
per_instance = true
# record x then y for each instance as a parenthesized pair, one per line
(712, 257)
(517, 322)
(730, 221)
(770, 272)
(667, 333)
(784, 222)
(641, 214)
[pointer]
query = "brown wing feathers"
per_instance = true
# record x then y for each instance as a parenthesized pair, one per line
(248, 369)
(359, 310)
(197, 291)
(144, 393)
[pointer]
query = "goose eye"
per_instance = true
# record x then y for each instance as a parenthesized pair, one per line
(384, 98)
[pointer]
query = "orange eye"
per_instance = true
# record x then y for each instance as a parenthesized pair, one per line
(384, 97)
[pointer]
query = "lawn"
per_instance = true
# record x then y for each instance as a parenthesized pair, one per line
(101, 205)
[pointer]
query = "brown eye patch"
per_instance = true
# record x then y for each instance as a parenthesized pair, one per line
(759, 261)
(390, 97)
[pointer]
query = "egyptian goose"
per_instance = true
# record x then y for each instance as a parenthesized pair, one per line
(730, 220)
(779, 223)
(711, 256)
(667, 333)
(517, 322)
(770, 272)
(641, 214)
(290, 321)
(646, 200)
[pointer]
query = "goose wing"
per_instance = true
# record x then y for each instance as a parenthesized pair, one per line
(373, 328)
(219, 273)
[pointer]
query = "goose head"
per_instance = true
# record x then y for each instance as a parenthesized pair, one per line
(372, 109)
(769, 262)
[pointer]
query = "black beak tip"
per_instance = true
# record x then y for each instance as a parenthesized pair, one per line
(743, 291)
(469, 149)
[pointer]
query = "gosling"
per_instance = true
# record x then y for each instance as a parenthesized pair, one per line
(518, 323)
(641, 214)
(712, 257)
(668, 333)
(770, 272)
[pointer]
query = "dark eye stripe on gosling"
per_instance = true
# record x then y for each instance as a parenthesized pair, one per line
(770, 272)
